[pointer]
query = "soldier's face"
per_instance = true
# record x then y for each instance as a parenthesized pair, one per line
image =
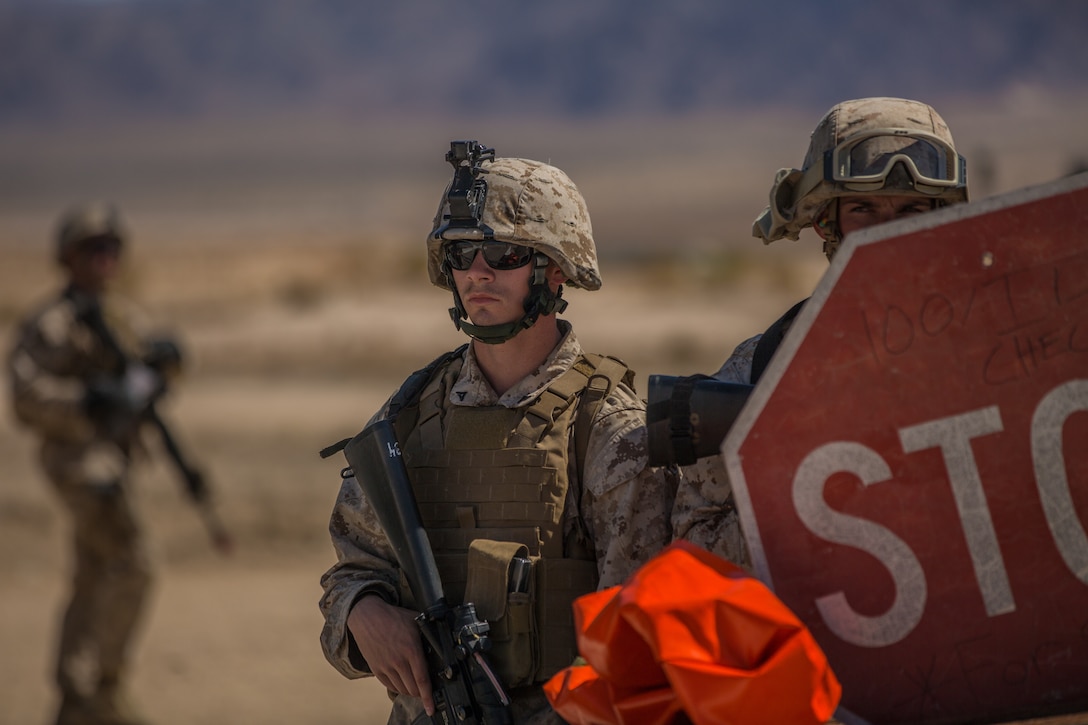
(496, 296)
(859, 212)
(492, 296)
(94, 263)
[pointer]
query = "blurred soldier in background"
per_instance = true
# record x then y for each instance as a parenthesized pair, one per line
(869, 161)
(553, 437)
(84, 375)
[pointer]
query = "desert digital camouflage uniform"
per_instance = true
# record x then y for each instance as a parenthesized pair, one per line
(704, 512)
(738, 368)
(53, 361)
(54, 357)
(618, 521)
(624, 504)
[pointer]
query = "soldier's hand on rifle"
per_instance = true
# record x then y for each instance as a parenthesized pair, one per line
(163, 355)
(388, 637)
(116, 403)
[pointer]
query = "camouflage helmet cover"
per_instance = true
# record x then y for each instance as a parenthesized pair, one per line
(796, 199)
(532, 204)
(89, 221)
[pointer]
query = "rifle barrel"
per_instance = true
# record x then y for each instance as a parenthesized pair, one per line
(375, 458)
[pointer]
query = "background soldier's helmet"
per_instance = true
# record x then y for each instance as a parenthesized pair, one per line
(532, 204)
(885, 146)
(90, 221)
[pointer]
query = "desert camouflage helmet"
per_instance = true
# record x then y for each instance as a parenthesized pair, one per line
(95, 220)
(886, 146)
(527, 203)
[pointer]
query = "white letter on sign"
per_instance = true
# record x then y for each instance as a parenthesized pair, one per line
(1051, 475)
(953, 436)
(910, 581)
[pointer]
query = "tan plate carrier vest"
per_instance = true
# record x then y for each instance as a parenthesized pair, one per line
(493, 484)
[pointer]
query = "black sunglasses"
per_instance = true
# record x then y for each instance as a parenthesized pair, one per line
(498, 255)
(100, 245)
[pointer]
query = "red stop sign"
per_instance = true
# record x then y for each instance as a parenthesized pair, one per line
(912, 469)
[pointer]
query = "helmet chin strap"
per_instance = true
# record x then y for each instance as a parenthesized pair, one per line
(540, 301)
(828, 225)
(831, 245)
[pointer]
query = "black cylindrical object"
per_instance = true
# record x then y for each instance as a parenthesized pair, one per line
(687, 418)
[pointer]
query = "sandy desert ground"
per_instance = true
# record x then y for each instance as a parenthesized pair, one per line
(297, 324)
(234, 640)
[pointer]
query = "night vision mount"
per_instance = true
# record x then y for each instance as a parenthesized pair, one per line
(468, 192)
(466, 197)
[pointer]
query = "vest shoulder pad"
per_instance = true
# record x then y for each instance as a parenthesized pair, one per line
(409, 391)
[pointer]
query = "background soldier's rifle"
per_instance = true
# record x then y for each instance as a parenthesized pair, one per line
(195, 484)
(466, 689)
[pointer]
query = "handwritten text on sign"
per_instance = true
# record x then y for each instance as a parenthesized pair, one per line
(1014, 307)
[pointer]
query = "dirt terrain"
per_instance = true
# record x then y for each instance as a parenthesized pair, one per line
(234, 640)
(297, 325)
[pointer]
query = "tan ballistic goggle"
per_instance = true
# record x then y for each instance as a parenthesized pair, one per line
(863, 162)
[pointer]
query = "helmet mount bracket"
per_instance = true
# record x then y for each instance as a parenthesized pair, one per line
(468, 190)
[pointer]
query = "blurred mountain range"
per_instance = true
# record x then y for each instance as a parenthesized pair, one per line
(78, 59)
(291, 120)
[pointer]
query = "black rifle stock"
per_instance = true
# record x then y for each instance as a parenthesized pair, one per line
(466, 689)
(192, 477)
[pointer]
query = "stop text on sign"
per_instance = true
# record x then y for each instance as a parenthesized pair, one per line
(952, 435)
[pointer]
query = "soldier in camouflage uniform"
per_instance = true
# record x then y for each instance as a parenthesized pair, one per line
(869, 161)
(554, 436)
(65, 389)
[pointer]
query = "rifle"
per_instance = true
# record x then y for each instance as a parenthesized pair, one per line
(466, 689)
(90, 311)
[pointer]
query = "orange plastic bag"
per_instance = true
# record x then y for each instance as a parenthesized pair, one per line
(693, 635)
